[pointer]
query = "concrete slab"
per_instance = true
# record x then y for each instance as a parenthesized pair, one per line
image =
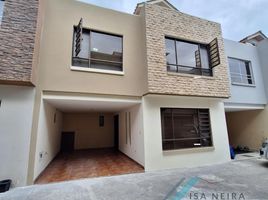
(247, 177)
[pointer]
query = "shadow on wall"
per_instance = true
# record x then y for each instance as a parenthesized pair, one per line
(247, 128)
(49, 136)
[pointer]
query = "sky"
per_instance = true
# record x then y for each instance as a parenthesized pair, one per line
(239, 18)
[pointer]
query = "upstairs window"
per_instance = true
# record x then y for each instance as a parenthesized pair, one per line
(2, 2)
(191, 58)
(185, 128)
(97, 50)
(240, 71)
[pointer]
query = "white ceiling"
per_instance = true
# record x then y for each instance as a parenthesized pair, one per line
(75, 105)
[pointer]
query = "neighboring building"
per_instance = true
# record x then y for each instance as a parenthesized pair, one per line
(19, 36)
(153, 84)
(246, 110)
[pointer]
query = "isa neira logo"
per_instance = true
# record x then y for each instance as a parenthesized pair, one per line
(184, 190)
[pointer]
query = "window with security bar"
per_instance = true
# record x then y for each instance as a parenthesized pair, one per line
(191, 58)
(240, 71)
(185, 128)
(94, 49)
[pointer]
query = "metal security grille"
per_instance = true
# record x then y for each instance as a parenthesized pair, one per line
(185, 128)
(79, 37)
(214, 53)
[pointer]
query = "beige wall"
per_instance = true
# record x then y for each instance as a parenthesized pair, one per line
(156, 158)
(161, 22)
(48, 137)
(16, 112)
(247, 128)
(88, 134)
(131, 135)
(56, 50)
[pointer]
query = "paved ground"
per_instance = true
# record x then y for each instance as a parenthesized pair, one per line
(244, 179)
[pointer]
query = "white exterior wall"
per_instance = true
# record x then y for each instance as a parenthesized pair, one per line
(262, 50)
(242, 94)
(16, 113)
(48, 137)
(156, 158)
(134, 148)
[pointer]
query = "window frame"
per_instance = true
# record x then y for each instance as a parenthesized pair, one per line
(185, 138)
(91, 69)
(241, 75)
(201, 69)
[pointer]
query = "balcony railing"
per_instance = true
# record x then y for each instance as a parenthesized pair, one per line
(189, 70)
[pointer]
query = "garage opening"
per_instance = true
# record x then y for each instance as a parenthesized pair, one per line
(89, 137)
(245, 131)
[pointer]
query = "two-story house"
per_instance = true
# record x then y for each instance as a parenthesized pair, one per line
(116, 92)
(159, 75)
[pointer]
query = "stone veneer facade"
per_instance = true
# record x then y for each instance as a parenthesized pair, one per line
(17, 41)
(160, 22)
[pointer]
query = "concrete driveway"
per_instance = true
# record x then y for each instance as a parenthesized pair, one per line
(244, 179)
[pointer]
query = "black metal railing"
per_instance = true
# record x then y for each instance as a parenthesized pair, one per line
(189, 70)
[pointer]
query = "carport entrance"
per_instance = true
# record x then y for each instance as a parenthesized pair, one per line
(87, 138)
(244, 130)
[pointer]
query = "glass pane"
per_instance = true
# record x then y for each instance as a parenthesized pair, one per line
(168, 145)
(190, 70)
(249, 75)
(105, 51)
(186, 53)
(242, 66)
(184, 126)
(172, 68)
(167, 124)
(187, 144)
(234, 65)
(240, 71)
(170, 52)
(204, 57)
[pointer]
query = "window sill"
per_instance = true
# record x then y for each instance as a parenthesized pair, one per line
(243, 84)
(191, 75)
(101, 71)
(190, 150)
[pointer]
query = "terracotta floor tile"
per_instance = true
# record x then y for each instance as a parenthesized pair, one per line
(88, 164)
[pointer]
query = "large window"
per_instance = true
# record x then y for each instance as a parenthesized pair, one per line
(185, 128)
(192, 58)
(98, 50)
(1, 9)
(240, 71)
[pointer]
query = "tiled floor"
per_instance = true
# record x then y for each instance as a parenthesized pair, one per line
(86, 164)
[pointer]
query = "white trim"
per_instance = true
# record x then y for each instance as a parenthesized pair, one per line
(89, 98)
(243, 84)
(229, 108)
(101, 71)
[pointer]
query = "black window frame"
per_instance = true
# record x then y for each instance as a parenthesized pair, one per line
(88, 59)
(250, 77)
(195, 70)
(204, 128)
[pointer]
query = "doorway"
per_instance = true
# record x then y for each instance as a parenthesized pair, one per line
(116, 132)
(67, 142)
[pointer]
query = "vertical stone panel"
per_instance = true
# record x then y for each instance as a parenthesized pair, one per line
(161, 22)
(17, 39)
